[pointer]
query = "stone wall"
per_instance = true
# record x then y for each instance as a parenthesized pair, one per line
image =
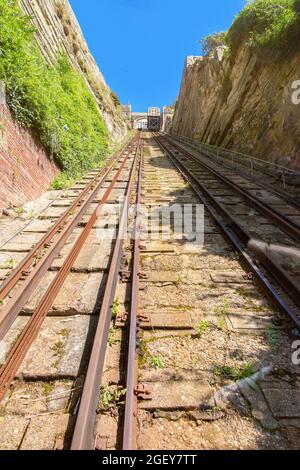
(245, 105)
(57, 29)
(26, 171)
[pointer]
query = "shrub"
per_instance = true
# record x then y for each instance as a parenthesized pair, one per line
(76, 47)
(66, 30)
(60, 10)
(211, 42)
(115, 99)
(54, 100)
(267, 25)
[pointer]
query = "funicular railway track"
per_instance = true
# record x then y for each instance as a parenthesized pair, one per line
(284, 220)
(281, 181)
(188, 165)
(135, 322)
(21, 282)
(85, 435)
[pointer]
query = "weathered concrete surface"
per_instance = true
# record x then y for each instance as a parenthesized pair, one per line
(13, 429)
(43, 431)
(177, 395)
(80, 294)
(60, 349)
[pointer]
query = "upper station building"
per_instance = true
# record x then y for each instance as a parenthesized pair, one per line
(153, 120)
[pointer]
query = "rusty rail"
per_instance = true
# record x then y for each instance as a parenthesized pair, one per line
(237, 236)
(271, 263)
(21, 347)
(130, 417)
(239, 166)
(84, 433)
(285, 223)
(31, 259)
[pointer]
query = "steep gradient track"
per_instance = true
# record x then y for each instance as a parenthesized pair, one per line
(159, 318)
(196, 172)
(63, 229)
(183, 320)
(84, 434)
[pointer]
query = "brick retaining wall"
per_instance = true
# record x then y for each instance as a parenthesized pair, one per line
(26, 170)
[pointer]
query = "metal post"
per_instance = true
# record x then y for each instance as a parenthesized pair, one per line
(283, 179)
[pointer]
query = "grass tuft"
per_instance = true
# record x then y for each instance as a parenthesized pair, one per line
(235, 373)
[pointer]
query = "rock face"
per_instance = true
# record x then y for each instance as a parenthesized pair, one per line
(57, 30)
(245, 105)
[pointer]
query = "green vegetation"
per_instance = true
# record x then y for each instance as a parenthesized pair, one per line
(9, 264)
(112, 341)
(235, 373)
(115, 99)
(53, 100)
(111, 396)
(272, 335)
(222, 311)
(267, 25)
(156, 362)
(202, 328)
(115, 308)
(143, 352)
(48, 388)
(19, 211)
(211, 42)
(63, 181)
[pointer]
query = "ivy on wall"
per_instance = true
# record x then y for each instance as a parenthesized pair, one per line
(53, 100)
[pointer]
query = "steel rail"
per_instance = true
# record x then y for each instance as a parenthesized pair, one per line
(285, 223)
(271, 262)
(31, 257)
(131, 400)
(227, 163)
(21, 347)
(244, 156)
(230, 235)
(83, 436)
(11, 310)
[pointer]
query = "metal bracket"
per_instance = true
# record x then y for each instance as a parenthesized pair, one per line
(144, 320)
(142, 392)
(143, 276)
(125, 276)
(121, 320)
(25, 274)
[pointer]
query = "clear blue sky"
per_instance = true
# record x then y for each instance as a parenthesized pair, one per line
(140, 45)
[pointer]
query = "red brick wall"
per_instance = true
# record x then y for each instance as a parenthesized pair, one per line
(26, 170)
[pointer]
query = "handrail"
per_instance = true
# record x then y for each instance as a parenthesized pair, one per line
(246, 160)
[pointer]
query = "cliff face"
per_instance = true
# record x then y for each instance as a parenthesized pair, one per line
(245, 105)
(58, 30)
